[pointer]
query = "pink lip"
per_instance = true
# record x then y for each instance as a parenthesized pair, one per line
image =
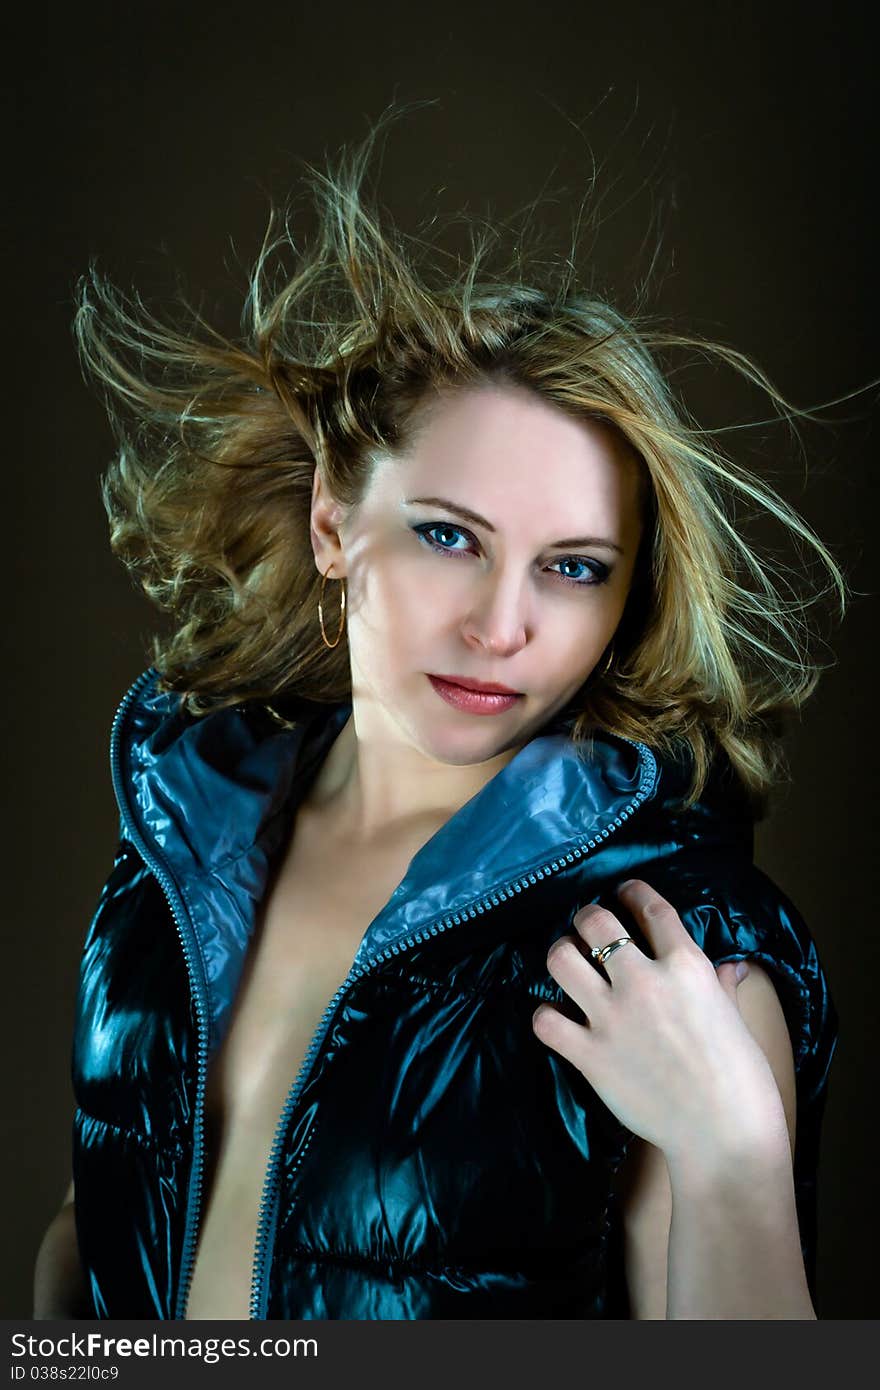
(487, 687)
(473, 701)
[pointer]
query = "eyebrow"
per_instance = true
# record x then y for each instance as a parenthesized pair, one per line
(481, 521)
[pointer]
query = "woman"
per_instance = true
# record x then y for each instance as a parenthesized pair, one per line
(415, 988)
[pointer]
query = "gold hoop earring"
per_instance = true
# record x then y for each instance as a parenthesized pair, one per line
(327, 642)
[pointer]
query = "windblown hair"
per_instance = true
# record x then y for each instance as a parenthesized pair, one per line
(208, 495)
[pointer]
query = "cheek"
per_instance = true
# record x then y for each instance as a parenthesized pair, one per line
(430, 585)
(582, 621)
(576, 648)
(401, 598)
(573, 643)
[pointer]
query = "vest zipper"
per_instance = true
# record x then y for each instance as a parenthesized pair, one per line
(188, 943)
(268, 1213)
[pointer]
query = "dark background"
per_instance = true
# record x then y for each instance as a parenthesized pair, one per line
(741, 137)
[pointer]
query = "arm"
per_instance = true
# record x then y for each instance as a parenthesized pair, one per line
(59, 1287)
(717, 1237)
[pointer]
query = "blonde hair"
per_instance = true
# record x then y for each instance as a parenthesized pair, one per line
(208, 496)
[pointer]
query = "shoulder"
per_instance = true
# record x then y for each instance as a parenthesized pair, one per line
(739, 913)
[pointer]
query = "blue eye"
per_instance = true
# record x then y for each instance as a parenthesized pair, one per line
(598, 572)
(595, 569)
(423, 530)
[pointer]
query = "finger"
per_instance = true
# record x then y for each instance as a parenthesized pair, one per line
(730, 975)
(563, 1035)
(581, 981)
(656, 916)
(598, 927)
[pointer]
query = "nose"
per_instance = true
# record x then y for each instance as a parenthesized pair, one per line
(497, 619)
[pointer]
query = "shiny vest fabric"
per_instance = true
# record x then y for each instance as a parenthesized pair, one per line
(434, 1158)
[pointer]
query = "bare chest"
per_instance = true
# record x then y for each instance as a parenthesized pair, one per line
(312, 923)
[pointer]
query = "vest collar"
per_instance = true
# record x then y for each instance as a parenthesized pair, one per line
(210, 800)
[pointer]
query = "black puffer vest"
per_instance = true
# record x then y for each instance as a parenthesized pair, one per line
(434, 1158)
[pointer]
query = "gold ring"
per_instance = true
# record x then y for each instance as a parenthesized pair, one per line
(601, 953)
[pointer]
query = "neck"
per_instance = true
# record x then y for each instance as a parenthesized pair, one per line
(375, 787)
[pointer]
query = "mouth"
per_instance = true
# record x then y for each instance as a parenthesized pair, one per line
(484, 687)
(471, 701)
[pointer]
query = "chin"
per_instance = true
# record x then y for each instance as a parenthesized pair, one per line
(474, 740)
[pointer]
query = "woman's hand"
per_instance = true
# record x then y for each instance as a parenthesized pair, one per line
(664, 1044)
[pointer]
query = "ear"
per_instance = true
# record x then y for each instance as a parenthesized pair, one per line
(326, 517)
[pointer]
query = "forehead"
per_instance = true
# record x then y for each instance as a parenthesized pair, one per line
(509, 454)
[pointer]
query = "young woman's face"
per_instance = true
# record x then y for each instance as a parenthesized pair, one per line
(431, 591)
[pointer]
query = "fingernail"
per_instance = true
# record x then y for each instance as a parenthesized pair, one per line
(741, 971)
(627, 882)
